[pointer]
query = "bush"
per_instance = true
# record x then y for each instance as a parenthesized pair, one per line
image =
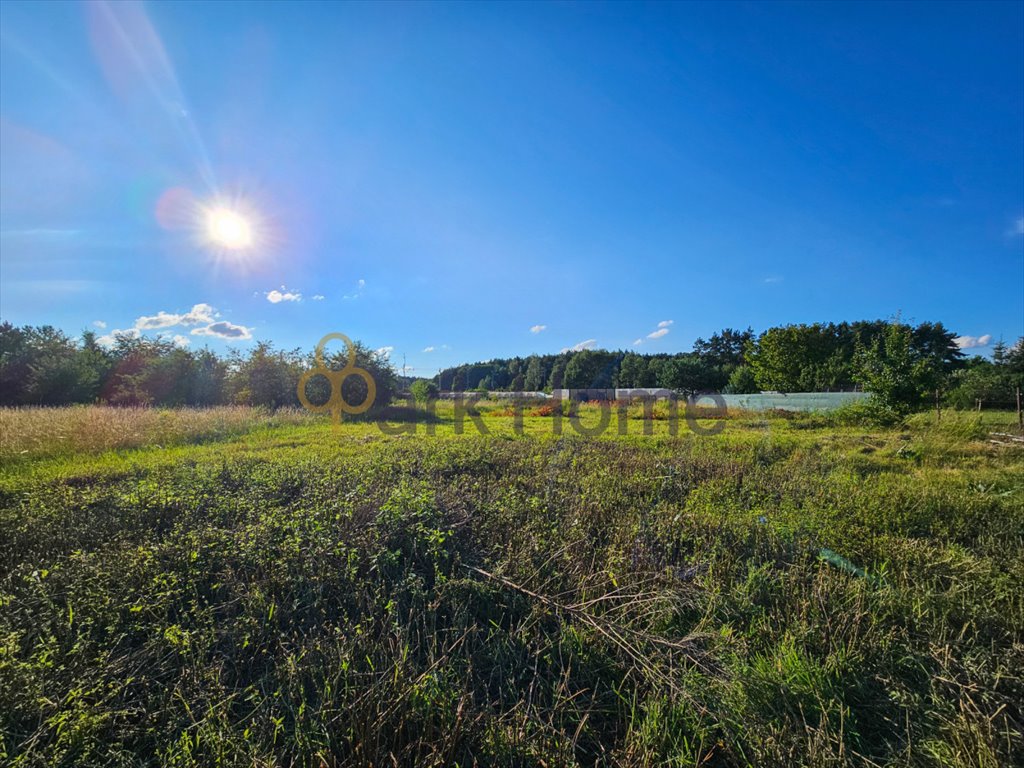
(742, 382)
(423, 390)
(866, 413)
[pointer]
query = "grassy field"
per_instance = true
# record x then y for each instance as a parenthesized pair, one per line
(213, 588)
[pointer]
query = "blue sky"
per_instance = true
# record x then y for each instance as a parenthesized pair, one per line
(487, 180)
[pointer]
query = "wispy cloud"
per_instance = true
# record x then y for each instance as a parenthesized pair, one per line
(359, 291)
(637, 342)
(318, 297)
(971, 342)
(773, 279)
(99, 324)
(1018, 226)
(587, 344)
(658, 333)
(57, 285)
(224, 330)
(538, 328)
(277, 296)
(428, 349)
(41, 232)
(665, 323)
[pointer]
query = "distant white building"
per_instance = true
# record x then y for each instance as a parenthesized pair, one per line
(629, 393)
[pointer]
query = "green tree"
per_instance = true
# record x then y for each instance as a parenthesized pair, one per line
(684, 373)
(268, 377)
(980, 381)
(353, 388)
(209, 379)
(1014, 360)
(633, 371)
(534, 380)
(15, 359)
(933, 342)
(742, 381)
(423, 390)
(720, 355)
(590, 368)
(898, 377)
(557, 380)
(793, 358)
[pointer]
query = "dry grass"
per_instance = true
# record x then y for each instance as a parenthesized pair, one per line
(36, 432)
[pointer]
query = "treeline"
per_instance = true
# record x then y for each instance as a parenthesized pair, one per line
(43, 366)
(791, 358)
(708, 367)
(821, 357)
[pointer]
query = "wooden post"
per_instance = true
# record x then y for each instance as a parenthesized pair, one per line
(938, 412)
(1020, 413)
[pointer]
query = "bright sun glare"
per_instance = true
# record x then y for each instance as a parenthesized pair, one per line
(228, 229)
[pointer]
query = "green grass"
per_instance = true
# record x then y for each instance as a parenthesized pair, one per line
(303, 594)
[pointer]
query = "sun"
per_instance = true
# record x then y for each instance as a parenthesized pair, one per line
(228, 229)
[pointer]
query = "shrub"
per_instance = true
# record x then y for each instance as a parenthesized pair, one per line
(423, 390)
(871, 412)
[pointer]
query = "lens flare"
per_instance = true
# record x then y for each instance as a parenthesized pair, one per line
(228, 229)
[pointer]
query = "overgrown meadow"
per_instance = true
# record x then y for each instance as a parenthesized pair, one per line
(242, 589)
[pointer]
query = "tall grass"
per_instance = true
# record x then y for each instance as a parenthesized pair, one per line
(491, 601)
(36, 432)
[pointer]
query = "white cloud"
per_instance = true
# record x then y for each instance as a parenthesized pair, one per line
(657, 334)
(384, 352)
(637, 342)
(588, 344)
(200, 313)
(224, 330)
(773, 279)
(159, 320)
(99, 324)
(970, 342)
(276, 297)
(428, 349)
(665, 323)
(111, 338)
(318, 297)
(538, 328)
(1018, 228)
